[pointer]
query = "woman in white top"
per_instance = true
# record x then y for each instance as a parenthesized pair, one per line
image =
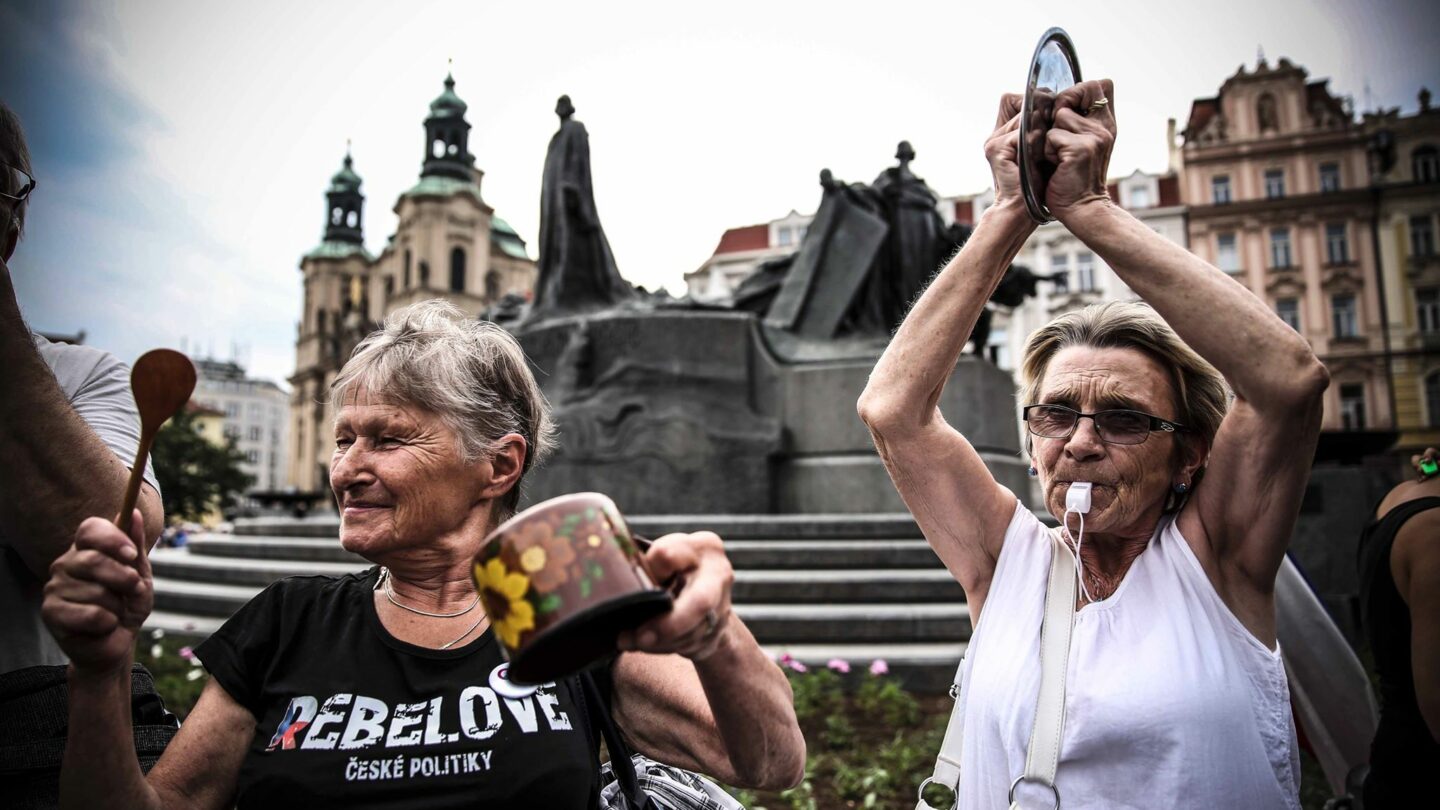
(1176, 694)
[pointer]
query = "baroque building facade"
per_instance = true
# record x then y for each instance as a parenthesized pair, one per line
(448, 243)
(1405, 165)
(1279, 195)
(253, 412)
(741, 251)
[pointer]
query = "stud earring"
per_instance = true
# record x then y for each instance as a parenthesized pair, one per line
(1031, 471)
(1182, 488)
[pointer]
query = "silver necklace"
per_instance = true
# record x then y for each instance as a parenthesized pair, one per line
(450, 644)
(384, 585)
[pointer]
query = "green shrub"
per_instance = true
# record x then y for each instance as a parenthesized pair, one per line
(179, 677)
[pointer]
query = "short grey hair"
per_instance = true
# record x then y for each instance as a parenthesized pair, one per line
(470, 372)
(1201, 394)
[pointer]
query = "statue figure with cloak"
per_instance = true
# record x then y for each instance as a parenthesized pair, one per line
(577, 269)
(916, 244)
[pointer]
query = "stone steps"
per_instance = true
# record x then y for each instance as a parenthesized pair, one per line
(744, 554)
(777, 623)
(730, 527)
(751, 585)
(816, 587)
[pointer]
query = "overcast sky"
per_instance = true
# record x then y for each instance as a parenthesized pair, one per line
(183, 148)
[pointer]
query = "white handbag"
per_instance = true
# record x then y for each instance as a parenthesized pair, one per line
(1042, 757)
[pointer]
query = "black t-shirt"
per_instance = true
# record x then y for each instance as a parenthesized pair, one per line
(347, 715)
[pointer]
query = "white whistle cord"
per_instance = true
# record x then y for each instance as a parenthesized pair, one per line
(1077, 502)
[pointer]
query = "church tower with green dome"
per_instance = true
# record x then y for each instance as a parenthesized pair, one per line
(344, 205)
(447, 136)
(448, 243)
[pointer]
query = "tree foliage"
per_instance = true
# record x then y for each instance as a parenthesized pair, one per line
(196, 475)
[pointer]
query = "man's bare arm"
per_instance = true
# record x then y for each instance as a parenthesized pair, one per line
(57, 471)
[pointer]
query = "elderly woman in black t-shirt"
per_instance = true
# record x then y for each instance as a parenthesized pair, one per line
(382, 689)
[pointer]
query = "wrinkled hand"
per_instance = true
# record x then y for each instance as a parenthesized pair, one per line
(1079, 144)
(1431, 454)
(99, 594)
(700, 576)
(1002, 149)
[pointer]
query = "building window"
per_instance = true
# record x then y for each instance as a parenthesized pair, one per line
(424, 275)
(1432, 397)
(256, 434)
(1425, 164)
(407, 269)
(1227, 254)
(1352, 406)
(1140, 197)
(232, 432)
(457, 270)
(252, 456)
(1343, 316)
(784, 237)
(1289, 311)
(1337, 247)
(1280, 247)
(492, 286)
(389, 287)
(1085, 271)
(1422, 236)
(1274, 184)
(1427, 309)
(1060, 272)
(232, 410)
(1329, 177)
(1220, 189)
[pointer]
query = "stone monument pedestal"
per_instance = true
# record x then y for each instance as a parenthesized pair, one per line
(674, 411)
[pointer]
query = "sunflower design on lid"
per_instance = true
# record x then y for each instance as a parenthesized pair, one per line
(503, 592)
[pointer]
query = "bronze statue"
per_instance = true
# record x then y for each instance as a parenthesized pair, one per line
(577, 269)
(866, 256)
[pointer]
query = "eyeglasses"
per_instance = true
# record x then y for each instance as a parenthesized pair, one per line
(15, 184)
(1115, 426)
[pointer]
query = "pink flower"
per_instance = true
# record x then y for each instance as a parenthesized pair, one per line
(879, 667)
(187, 653)
(839, 665)
(788, 661)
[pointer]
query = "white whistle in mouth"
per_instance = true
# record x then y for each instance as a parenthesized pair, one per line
(1077, 498)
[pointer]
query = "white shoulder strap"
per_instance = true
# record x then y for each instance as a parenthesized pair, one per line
(1043, 755)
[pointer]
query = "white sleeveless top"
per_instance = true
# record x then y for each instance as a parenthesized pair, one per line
(1170, 701)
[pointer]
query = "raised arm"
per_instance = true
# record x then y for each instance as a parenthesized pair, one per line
(1261, 456)
(942, 479)
(695, 690)
(95, 602)
(57, 470)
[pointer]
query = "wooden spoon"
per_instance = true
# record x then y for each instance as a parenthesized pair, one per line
(162, 380)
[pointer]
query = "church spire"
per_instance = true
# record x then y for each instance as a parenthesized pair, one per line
(447, 134)
(344, 204)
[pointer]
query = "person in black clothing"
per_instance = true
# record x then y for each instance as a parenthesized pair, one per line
(387, 688)
(1400, 609)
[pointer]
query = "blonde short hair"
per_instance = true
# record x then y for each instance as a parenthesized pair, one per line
(470, 372)
(1201, 394)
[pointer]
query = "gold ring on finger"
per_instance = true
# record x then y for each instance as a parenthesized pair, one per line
(1097, 105)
